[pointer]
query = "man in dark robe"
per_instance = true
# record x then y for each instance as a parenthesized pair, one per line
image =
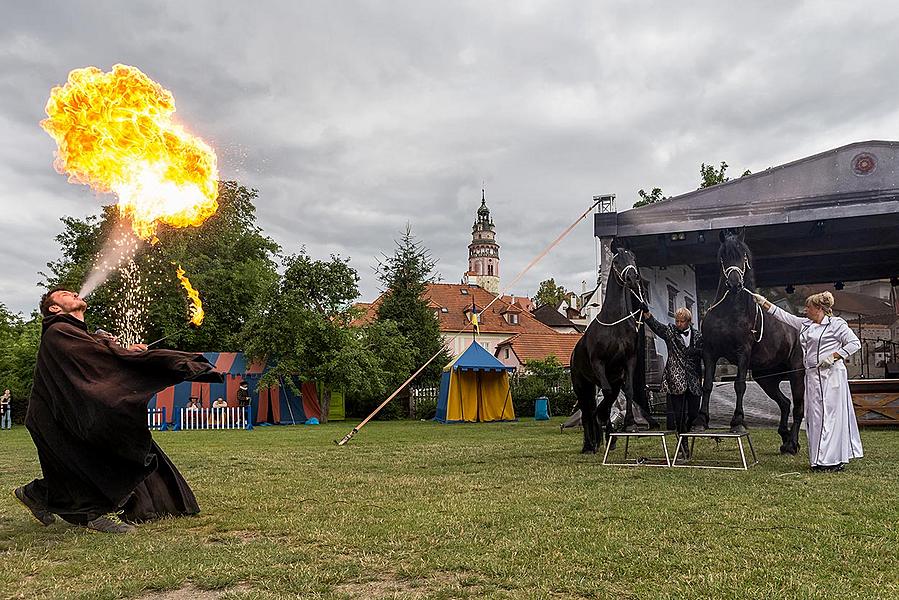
(87, 415)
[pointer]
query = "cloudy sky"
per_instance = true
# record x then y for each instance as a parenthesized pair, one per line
(352, 118)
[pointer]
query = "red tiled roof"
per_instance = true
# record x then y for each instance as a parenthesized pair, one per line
(538, 346)
(522, 302)
(450, 296)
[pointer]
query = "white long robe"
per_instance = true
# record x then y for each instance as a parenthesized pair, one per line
(830, 422)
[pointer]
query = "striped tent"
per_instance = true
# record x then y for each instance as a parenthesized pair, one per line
(277, 404)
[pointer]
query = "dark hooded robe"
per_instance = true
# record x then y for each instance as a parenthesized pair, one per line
(87, 415)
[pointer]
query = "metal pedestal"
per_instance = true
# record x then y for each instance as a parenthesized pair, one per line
(739, 465)
(637, 462)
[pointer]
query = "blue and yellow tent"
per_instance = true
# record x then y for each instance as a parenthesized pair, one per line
(474, 387)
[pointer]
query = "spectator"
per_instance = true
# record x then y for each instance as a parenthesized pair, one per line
(5, 411)
(243, 394)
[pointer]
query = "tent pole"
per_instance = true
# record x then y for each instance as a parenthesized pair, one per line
(461, 401)
(508, 396)
(479, 412)
(287, 401)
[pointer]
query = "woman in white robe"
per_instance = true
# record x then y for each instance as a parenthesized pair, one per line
(833, 438)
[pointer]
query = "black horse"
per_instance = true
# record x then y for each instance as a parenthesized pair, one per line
(736, 329)
(609, 356)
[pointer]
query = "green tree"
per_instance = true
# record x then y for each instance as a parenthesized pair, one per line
(550, 293)
(227, 259)
(651, 198)
(405, 276)
(711, 176)
(302, 328)
(19, 341)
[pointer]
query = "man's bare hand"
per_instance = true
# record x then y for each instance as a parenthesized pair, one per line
(138, 347)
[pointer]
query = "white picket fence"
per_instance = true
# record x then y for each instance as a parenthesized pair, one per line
(231, 417)
(156, 419)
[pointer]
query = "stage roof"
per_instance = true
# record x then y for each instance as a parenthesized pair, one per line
(829, 217)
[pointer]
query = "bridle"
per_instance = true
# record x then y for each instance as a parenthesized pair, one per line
(619, 277)
(741, 270)
(760, 317)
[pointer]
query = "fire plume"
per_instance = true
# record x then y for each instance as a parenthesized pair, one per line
(114, 132)
(196, 309)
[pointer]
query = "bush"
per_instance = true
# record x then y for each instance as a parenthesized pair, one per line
(426, 409)
(543, 378)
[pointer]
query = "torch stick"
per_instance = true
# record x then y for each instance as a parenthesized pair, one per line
(536, 259)
(169, 335)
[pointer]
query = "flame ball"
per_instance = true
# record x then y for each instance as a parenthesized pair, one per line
(115, 133)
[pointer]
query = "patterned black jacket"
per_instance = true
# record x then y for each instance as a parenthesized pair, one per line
(683, 370)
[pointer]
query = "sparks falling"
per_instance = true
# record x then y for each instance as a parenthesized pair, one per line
(196, 309)
(115, 133)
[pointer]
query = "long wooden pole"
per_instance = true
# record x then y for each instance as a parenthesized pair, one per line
(536, 259)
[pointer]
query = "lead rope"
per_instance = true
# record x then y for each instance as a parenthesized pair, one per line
(621, 320)
(758, 312)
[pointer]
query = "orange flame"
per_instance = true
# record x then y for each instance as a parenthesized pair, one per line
(196, 309)
(115, 133)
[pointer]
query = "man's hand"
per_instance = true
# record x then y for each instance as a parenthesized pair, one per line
(645, 309)
(759, 299)
(138, 347)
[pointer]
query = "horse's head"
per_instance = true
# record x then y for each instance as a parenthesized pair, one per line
(624, 267)
(734, 258)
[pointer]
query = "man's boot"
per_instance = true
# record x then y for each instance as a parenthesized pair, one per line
(110, 523)
(45, 517)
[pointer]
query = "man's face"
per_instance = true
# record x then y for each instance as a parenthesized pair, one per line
(682, 323)
(65, 301)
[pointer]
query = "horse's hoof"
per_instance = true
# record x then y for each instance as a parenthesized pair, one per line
(588, 450)
(738, 428)
(789, 448)
(632, 428)
(653, 425)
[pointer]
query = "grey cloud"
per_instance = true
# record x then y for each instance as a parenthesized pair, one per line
(353, 118)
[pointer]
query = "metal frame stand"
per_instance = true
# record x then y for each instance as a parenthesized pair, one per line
(638, 462)
(717, 435)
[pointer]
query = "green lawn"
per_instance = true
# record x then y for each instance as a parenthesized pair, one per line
(420, 510)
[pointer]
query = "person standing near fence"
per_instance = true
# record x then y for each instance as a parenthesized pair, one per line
(243, 400)
(87, 416)
(6, 410)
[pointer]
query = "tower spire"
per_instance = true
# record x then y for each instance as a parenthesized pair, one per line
(483, 251)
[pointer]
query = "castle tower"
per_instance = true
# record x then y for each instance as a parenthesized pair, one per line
(483, 251)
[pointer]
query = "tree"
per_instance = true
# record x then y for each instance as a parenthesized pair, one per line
(651, 198)
(19, 341)
(405, 276)
(712, 176)
(301, 327)
(550, 293)
(227, 259)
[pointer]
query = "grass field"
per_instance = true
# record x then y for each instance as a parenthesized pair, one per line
(420, 510)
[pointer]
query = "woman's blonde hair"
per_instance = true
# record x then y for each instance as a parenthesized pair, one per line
(823, 300)
(684, 313)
